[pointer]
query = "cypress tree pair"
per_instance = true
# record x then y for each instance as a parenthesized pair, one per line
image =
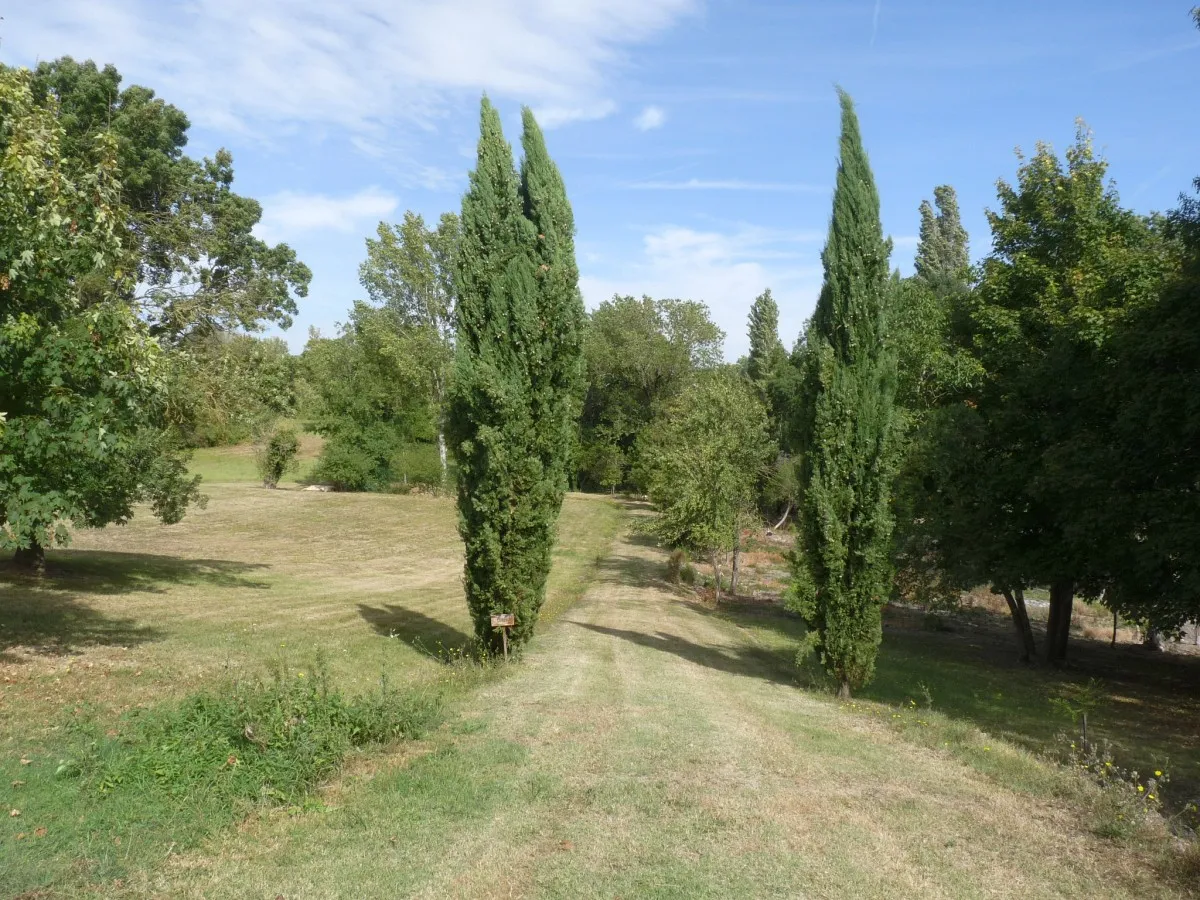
(517, 371)
(847, 430)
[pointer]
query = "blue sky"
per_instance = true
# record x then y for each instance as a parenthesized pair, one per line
(698, 139)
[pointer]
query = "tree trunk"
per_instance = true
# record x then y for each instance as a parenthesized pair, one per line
(737, 565)
(31, 559)
(716, 567)
(1114, 637)
(1020, 618)
(787, 512)
(844, 690)
(1154, 640)
(442, 451)
(1058, 627)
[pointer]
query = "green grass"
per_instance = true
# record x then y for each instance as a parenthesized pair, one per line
(223, 465)
(135, 620)
(649, 746)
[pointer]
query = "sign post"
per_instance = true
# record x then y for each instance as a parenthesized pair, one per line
(504, 621)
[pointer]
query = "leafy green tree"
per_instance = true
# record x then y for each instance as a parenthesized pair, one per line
(934, 369)
(188, 236)
(841, 564)
(82, 383)
(409, 271)
(369, 394)
(504, 405)
(942, 252)
(1150, 463)
(766, 349)
(640, 354)
(224, 386)
(703, 460)
(1068, 267)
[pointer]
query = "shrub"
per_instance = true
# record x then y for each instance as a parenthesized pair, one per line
(277, 455)
(274, 739)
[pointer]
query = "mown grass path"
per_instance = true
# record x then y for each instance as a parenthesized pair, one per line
(647, 748)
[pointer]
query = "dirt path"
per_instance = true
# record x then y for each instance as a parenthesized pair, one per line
(647, 748)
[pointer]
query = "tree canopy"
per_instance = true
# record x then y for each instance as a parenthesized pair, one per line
(82, 383)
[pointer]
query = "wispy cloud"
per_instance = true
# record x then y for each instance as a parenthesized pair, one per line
(550, 117)
(725, 269)
(359, 64)
(649, 118)
(289, 213)
(875, 21)
(727, 184)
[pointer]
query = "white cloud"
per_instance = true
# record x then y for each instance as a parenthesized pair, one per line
(360, 64)
(556, 116)
(725, 270)
(290, 213)
(650, 117)
(727, 184)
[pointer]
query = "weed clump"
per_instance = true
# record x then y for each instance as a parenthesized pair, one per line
(271, 739)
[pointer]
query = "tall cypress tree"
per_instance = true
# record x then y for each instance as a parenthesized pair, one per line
(504, 487)
(848, 416)
(558, 378)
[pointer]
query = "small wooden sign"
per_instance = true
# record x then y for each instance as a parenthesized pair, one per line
(504, 621)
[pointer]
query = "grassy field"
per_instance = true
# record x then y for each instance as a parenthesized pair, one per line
(650, 744)
(133, 616)
(651, 747)
(219, 465)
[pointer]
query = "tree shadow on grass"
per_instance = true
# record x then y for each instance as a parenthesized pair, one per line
(108, 572)
(51, 615)
(736, 659)
(413, 627)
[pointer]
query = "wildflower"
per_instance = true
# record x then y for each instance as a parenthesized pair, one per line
(299, 674)
(1141, 788)
(1149, 796)
(1157, 773)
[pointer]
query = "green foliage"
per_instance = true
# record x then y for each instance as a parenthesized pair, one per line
(640, 354)
(767, 355)
(82, 383)
(557, 384)
(515, 374)
(186, 236)
(1069, 266)
(276, 455)
(409, 273)
(1151, 405)
(275, 740)
(371, 395)
(225, 387)
(849, 430)
(702, 462)
(942, 252)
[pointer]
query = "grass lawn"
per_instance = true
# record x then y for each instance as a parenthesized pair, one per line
(649, 745)
(132, 616)
(225, 464)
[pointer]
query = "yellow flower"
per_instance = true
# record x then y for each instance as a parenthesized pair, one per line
(299, 674)
(1157, 773)
(1140, 788)
(1149, 796)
